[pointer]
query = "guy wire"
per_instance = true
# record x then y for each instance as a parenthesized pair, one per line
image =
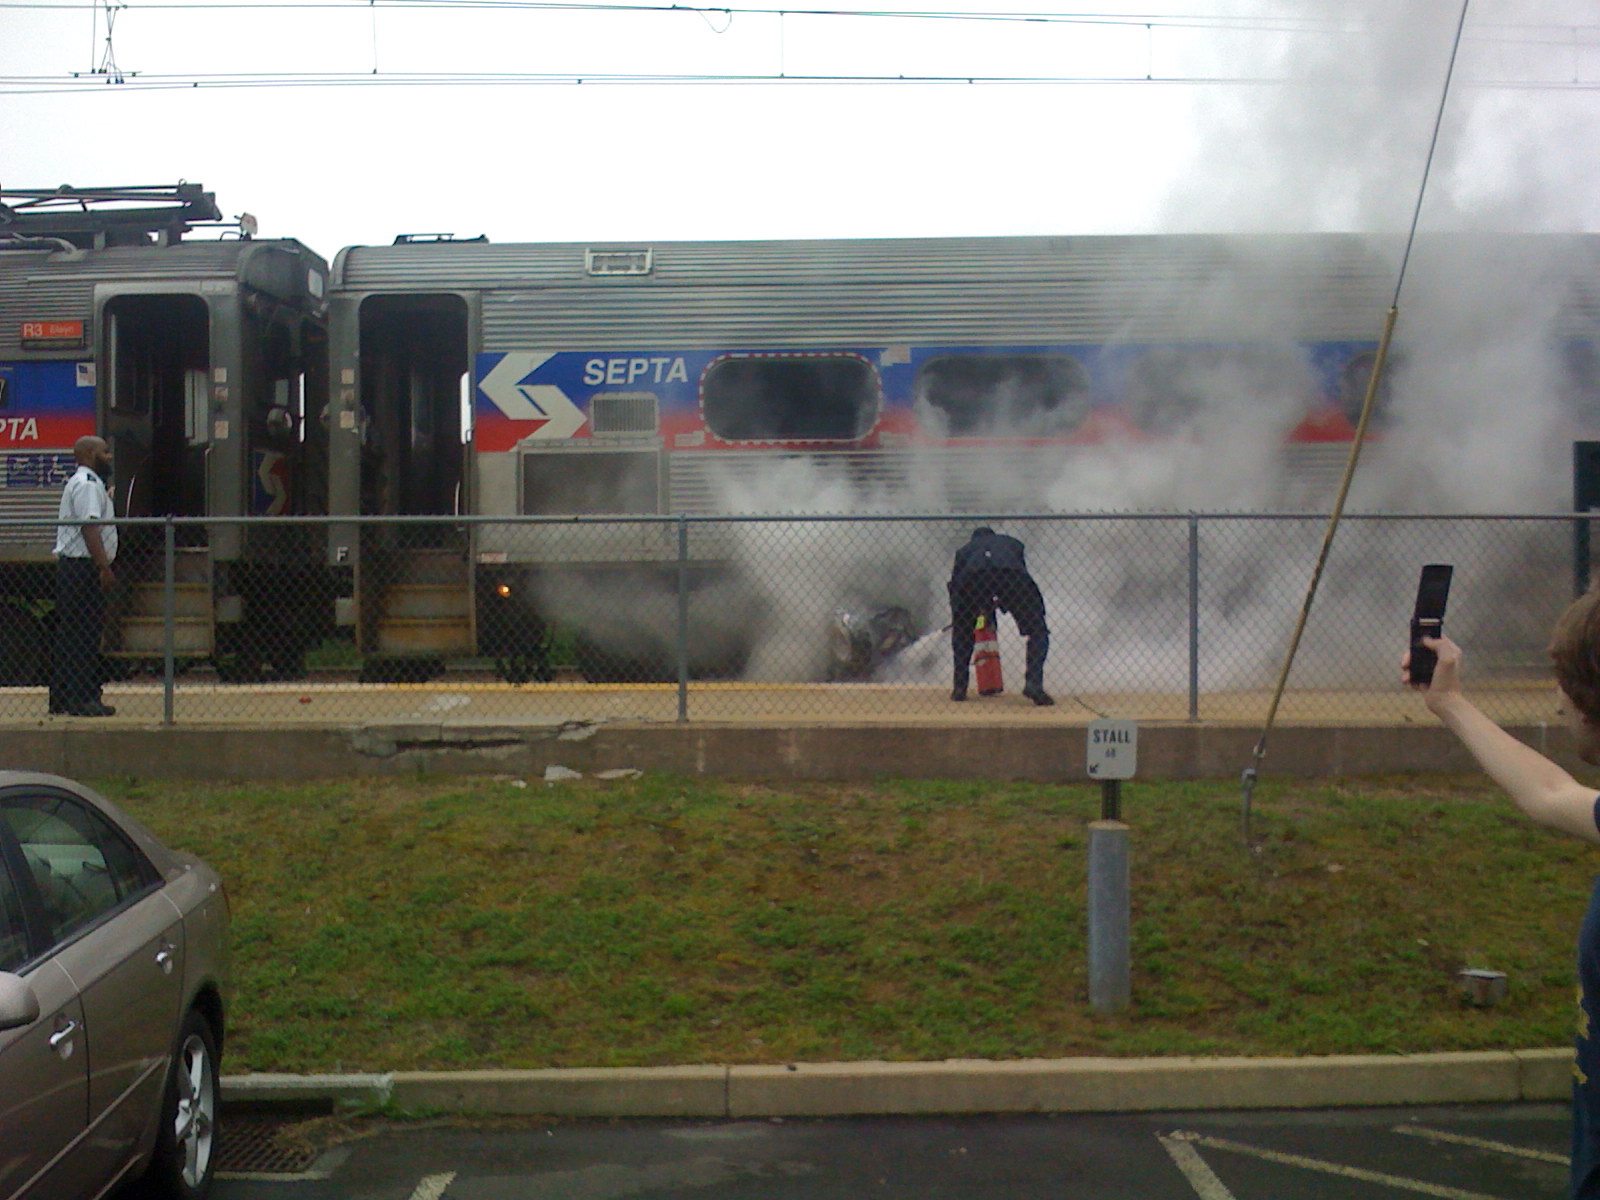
(1252, 772)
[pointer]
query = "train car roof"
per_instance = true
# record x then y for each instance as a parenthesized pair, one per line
(417, 266)
(44, 281)
(220, 257)
(1019, 288)
(482, 265)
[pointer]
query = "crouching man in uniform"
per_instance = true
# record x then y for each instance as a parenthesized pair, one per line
(991, 571)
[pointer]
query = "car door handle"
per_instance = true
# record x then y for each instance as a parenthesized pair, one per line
(61, 1039)
(165, 957)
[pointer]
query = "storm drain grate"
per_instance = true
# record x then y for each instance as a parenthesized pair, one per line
(252, 1146)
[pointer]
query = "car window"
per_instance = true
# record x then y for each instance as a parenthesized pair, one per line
(13, 935)
(81, 867)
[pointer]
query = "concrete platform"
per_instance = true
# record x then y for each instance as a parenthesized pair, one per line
(1027, 750)
(467, 724)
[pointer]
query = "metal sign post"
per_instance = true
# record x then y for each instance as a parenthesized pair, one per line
(1112, 755)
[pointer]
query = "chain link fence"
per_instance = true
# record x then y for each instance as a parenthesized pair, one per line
(1152, 617)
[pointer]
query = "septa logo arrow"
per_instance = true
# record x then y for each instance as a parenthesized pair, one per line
(544, 407)
(272, 480)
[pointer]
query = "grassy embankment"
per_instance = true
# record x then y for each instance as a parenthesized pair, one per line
(430, 923)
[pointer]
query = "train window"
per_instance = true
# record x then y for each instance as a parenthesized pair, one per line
(275, 385)
(555, 484)
(5, 391)
(800, 397)
(1357, 377)
(1579, 379)
(196, 408)
(153, 342)
(1018, 394)
(1169, 387)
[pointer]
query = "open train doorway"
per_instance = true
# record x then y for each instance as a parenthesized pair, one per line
(413, 363)
(154, 410)
(155, 380)
(414, 579)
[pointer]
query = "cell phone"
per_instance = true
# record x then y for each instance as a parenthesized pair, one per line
(1427, 619)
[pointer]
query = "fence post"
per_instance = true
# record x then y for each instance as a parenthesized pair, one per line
(169, 597)
(683, 617)
(1585, 498)
(1194, 616)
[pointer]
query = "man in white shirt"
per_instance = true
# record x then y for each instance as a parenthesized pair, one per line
(84, 554)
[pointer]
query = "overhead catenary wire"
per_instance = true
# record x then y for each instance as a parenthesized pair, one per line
(77, 81)
(82, 80)
(1131, 20)
(1330, 22)
(1252, 772)
(1553, 33)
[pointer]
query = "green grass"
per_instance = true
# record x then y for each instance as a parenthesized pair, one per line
(433, 923)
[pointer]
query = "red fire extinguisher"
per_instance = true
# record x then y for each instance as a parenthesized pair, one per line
(986, 659)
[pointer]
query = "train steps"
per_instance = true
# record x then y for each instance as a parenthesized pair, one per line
(142, 625)
(427, 610)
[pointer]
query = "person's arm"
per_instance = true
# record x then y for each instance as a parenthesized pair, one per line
(97, 552)
(1544, 791)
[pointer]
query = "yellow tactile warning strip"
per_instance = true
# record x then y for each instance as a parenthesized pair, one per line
(480, 699)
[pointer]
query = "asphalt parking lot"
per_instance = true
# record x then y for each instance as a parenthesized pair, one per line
(1460, 1152)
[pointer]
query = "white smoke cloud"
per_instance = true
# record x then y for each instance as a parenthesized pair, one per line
(1478, 411)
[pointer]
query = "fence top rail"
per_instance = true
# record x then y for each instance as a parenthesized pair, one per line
(584, 519)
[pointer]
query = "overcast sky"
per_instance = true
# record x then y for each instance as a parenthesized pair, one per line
(1200, 115)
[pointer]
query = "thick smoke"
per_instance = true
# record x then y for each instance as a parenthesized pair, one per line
(1481, 402)
(1476, 412)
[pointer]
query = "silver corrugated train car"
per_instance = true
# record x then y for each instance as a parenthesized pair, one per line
(203, 363)
(465, 381)
(959, 375)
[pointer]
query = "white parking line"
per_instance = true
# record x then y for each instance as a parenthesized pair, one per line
(433, 1186)
(1201, 1177)
(1328, 1168)
(1460, 1139)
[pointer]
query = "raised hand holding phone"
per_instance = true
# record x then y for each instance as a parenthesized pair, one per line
(1427, 618)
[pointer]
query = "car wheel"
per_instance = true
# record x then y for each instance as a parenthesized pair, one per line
(182, 1166)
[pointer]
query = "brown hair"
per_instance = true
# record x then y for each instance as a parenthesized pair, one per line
(1575, 651)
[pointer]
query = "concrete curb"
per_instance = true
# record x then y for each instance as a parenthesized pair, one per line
(1072, 1085)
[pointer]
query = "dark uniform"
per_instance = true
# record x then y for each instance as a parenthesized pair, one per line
(990, 572)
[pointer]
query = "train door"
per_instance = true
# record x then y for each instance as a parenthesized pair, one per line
(413, 362)
(283, 383)
(155, 376)
(415, 579)
(154, 384)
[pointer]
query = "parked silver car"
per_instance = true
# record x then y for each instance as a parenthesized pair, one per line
(113, 985)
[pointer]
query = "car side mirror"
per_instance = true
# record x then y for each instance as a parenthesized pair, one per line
(19, 1004)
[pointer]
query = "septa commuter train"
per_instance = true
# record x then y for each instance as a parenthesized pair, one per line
(438, 377)
(200, 361)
